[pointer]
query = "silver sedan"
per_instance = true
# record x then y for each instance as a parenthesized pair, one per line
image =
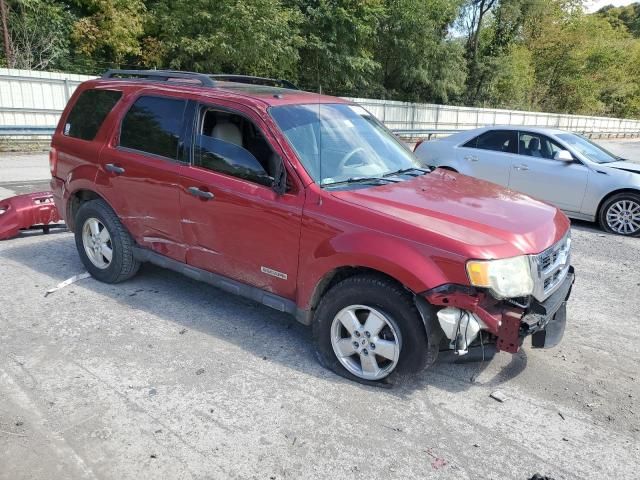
(565, 169)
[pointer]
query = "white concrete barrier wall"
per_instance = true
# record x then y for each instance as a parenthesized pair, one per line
(36, 99)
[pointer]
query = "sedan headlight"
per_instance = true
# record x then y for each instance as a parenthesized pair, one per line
(506, 278)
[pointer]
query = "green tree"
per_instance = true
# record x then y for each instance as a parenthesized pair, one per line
(232, 36)
(627, 16)
(418, 61)
(338, 48)
(38, 33)
(109, 31)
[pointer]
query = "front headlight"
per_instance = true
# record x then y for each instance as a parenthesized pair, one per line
(506, 278)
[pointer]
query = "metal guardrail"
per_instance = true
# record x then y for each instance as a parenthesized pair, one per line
(430, 133)
(25, 131)
(42, 131)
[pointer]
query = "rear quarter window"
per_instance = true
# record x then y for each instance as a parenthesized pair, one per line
(88, 113)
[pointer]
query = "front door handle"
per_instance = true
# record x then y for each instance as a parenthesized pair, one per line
(110, 167)
(471, 158)
(196, 192)
(521, 167)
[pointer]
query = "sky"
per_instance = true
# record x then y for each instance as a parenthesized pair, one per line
(593, 5)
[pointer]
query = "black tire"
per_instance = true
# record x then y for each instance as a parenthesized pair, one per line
(609, 203)
(123, 265)
(386, 297)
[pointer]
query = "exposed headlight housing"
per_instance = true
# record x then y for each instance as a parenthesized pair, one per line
(506, 278)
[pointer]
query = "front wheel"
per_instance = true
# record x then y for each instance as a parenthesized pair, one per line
(367, 328)
(620, 214)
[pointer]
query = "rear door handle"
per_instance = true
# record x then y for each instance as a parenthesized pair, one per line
(196, 192)
(110, 167)
(471, 158)
(521, 167)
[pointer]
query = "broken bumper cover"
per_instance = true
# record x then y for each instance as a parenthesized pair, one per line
(509, 322)
(22, 212)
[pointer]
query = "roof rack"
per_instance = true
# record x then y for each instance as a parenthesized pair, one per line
(205, 80)
(267, 82)
(161, 75)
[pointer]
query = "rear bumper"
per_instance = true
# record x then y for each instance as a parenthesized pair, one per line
(22, 212)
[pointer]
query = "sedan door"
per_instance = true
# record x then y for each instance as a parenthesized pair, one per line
(538, 174)
(489, 156)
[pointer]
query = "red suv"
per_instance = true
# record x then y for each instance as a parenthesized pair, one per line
(309, 205)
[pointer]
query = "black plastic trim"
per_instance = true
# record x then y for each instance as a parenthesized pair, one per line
(224, 283)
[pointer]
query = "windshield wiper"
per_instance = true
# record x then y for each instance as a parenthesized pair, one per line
(372, 180)
(407, 170)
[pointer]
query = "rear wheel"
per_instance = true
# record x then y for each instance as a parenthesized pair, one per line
(620, 214)
(367, 328)
(104, 246)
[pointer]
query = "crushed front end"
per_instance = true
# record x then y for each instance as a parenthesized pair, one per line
(469, 310)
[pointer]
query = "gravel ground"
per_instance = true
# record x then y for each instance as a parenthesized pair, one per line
(165, 377)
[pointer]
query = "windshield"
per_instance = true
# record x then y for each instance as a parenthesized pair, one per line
(592, 151)
(339, 142)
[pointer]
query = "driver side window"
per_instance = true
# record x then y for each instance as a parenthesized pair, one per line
(231, 144)
(536, 145)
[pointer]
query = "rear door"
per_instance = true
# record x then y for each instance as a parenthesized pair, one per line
(536, 173)
(489, 155)
(142, 171)
(235, 223)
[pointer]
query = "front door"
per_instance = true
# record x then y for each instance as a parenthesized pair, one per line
(234, 222)
(142, 173)
(536, 173)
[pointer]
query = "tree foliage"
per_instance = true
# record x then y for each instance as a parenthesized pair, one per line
(627, 16)
(524, 54)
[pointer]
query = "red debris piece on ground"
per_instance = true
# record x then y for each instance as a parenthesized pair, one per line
(28, 211)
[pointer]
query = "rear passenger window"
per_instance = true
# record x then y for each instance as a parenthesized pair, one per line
(153, 125)
(90, 110)
(499, 140)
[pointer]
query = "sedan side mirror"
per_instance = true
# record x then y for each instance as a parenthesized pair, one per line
(563, 156)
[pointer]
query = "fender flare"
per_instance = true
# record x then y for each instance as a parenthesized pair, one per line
(408, 263)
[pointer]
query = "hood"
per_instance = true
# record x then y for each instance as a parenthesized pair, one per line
(623, 165)
(464, 215)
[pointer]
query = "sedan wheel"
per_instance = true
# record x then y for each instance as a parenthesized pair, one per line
(365, 341)
(97, 243)
(623, 217)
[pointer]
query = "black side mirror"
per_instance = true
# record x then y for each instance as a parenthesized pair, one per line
(280, 177)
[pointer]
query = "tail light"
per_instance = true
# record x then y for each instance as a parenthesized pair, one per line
(53, 161)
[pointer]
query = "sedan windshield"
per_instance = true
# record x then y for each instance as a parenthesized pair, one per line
(586, 147)
(340, 143)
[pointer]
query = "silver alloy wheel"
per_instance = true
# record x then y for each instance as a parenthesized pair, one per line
(97, 243)
(623, 217)
(366, 342)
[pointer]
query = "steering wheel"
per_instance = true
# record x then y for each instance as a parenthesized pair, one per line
(343, 162)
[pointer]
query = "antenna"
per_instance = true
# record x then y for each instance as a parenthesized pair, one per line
(319, 119)
(320, 138)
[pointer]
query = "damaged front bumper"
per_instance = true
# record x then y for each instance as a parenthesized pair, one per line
(509, 322)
